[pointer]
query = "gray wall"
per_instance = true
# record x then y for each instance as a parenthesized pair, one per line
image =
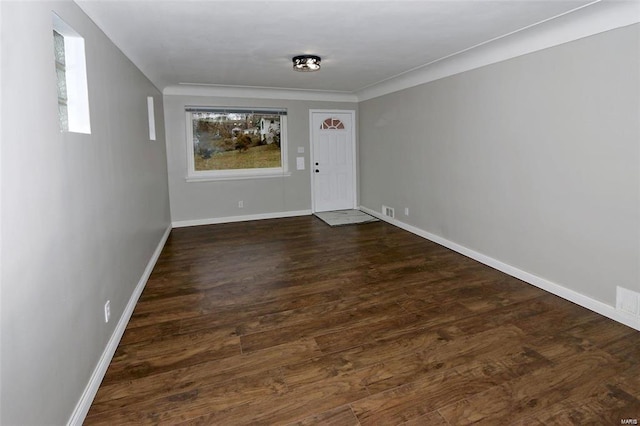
(533, 161)
(81, 214)
(219, 199)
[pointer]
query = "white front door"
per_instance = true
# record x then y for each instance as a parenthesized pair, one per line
(333, 160)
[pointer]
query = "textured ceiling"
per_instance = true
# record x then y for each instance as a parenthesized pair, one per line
(251, 43)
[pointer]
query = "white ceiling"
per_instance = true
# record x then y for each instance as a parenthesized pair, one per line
(251, 43)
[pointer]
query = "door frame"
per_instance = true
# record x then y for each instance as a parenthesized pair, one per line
(354, 158)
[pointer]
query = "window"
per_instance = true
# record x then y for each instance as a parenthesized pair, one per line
(71, 74)
(63, 112)
(332, 124)
(236, 143)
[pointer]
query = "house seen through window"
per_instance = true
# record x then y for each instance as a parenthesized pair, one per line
(228, 143)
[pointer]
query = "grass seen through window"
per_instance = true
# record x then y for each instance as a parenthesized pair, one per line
(266, 156)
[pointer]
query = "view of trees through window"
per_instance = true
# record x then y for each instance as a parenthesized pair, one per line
(236, 140)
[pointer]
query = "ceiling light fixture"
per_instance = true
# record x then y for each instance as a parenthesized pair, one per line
(306, 63)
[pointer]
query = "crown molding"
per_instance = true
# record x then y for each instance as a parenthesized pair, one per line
(258, 93)
(592, 19)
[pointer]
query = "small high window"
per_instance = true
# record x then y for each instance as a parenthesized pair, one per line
(61, 74)
(71, 75)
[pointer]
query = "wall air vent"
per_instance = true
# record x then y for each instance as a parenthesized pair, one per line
(388, 211)
(627, 301)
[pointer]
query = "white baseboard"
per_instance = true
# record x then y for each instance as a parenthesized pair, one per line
(83, 405)
(554, 288)
(229, 219)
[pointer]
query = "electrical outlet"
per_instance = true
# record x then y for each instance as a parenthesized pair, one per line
(240, 204)
(107, 311)
(406, 211)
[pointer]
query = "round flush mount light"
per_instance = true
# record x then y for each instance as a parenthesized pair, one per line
(306, 63)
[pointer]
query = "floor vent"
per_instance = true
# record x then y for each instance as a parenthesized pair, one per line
(388, 211)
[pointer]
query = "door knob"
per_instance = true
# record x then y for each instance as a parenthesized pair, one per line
(317, 171)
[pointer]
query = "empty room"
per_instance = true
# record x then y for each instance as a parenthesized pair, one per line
(323, 212)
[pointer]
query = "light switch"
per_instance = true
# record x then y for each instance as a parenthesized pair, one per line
(300, 163)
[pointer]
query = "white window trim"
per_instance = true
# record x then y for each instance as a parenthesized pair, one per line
(194, 175)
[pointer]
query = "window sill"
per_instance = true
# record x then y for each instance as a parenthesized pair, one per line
(236, 177)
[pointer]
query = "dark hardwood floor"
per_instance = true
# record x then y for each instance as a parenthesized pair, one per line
(291, 321)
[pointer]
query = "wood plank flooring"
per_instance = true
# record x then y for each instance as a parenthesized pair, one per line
(289, 321)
